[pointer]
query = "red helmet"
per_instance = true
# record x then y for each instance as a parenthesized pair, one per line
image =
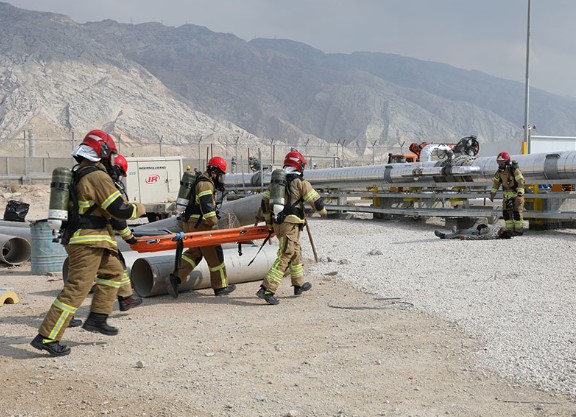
(503, 158)
(295, 159)
(217, 162)
(101, 142)
(122, 163)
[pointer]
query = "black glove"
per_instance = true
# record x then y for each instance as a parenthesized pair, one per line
(132, 241)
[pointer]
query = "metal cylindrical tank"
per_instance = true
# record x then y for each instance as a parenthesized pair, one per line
(46, 255)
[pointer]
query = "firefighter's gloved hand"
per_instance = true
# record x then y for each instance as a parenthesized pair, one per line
(323, 212)
(492, 195)
(132, 241)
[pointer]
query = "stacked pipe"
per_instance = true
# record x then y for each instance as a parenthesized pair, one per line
(15, 246)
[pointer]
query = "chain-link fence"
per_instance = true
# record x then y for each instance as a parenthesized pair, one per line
(239, 156)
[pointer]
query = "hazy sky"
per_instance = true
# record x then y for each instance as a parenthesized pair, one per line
(485, 35)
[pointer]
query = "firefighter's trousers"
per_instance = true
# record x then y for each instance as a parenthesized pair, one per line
(125, 289)
(214, 258)
(513, 212)
(86, 267)
(289, 256)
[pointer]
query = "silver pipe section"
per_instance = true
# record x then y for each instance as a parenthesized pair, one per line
(435, 150)
(14, 250)
(149, 274)
(542, 166)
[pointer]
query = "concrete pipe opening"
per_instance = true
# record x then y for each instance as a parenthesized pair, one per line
(15, 250)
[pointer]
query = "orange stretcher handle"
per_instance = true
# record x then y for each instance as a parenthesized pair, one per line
(198, 239)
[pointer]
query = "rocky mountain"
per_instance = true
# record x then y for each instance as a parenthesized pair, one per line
(148, 81)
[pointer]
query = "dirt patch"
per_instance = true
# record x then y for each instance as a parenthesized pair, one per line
(332, 352)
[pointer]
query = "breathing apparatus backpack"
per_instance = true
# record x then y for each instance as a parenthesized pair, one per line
(279, 189)
(188, 189)
(74, 220)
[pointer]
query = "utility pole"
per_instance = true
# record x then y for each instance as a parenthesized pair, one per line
(161, 137)
(374, 152)
(527, 86)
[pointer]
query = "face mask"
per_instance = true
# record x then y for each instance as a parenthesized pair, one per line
(501, 167)
(219, 181)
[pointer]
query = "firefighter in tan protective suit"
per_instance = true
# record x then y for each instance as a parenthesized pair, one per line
(90, 243)
(200, 215)
(512, 181)
(287, 221)
(127, 298)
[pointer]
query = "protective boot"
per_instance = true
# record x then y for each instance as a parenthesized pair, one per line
(173, 284)
(126, 303)
(74, 322)
(53, 347)
(267, 296)
(224, 290)
(299, 289)
(96, 322)
(440, 234)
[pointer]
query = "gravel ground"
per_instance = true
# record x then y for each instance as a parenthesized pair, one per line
(517, 296)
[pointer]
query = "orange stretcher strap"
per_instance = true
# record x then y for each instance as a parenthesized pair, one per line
(198, 239)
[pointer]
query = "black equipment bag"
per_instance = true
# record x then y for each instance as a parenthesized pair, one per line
(16, 211)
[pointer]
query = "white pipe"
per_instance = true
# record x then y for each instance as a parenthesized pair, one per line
(149, 274)
(432, 149)
(14, 250)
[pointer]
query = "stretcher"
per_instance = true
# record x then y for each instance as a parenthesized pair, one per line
(198, 239)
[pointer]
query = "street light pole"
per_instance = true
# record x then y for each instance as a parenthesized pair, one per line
(527, 85)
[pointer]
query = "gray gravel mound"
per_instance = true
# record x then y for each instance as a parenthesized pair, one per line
(517, 296)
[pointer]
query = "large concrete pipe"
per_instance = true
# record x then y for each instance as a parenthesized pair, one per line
(149, 274)
(10, 223)
(12, 230)
(14, 250)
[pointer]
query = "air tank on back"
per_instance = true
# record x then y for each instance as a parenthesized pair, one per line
(185, 191)
(277, 192)
(59, 197)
